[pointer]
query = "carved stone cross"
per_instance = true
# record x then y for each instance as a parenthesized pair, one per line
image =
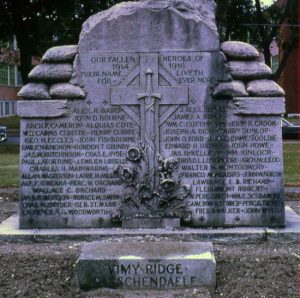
(150, 95)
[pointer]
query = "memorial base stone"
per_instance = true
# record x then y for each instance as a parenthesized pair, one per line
(151, 223)
(190, 293)
(147, 266)
(150, 116)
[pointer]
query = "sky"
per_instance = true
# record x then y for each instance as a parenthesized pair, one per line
(266, 2)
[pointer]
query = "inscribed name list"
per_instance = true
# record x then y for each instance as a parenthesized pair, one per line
(232, 163)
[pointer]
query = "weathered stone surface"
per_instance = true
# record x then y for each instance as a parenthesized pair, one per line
(145, 266)
(195, 292)
(10, 233)
(60, 54)
(42, 108)
(149, 140)
(164, 28)
(264, 88)
(51, 72)
(230, 89)
(66, 90)
(151, 223)
(248, 70)
(34, 91)
(237, 50)
(259, 105)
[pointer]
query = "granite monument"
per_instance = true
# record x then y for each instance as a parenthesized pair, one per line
(150, 117)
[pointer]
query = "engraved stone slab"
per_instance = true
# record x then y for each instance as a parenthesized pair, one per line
(169, 18)
(195, 292)
(145, 266)
(259, 106)
(149, 139)
(42, 109)
(151, 223)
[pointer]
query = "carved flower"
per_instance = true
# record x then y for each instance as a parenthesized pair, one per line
(134, 154)
(188, 216)
(128, 175)
(186, 190)
(116, 216)
(170, 165)
(168, 185)
(145, 193)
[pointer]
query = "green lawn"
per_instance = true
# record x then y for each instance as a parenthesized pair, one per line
(12, 122)
(293, 120)
(9, 165)
(291, 164)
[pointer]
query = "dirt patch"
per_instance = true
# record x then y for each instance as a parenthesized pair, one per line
(9, 202)
(295, 206)
(258, 270)
(37, 270)
(48, 270)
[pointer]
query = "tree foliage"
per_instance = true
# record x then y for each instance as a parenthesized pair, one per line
(289, 33)
(40, 24)
(249, 21)
(235, 19)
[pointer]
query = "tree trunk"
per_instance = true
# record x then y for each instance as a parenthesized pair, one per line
(264, 38)
(286, 53)
(267, 54)
(25, 56)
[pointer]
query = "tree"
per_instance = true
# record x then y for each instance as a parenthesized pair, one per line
(40, 24)
(267, 25)
(282, 20)
(231, 17)
(251, 22)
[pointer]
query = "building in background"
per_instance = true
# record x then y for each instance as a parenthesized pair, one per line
(274, 50)
(10, 77)
(289, 77)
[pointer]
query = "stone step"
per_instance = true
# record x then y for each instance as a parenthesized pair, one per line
(186, 293)
(147, 266)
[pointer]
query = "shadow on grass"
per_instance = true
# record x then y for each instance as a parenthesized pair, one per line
(9, 149)
(12, 122)
(9, 165)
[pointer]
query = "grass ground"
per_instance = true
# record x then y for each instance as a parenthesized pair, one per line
(291, 164)
(9, 165)
(11, 122)
(293, 120)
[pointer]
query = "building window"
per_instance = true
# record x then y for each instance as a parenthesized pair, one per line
(4, 74)
(13, 108)
(9, 75)
(6, 108)
(274, 63)
(19, 78)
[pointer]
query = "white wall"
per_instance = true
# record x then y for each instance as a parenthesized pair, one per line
(8, 108)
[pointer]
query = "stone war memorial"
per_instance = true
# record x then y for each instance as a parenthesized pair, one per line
(150, 117)
(151, 122)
